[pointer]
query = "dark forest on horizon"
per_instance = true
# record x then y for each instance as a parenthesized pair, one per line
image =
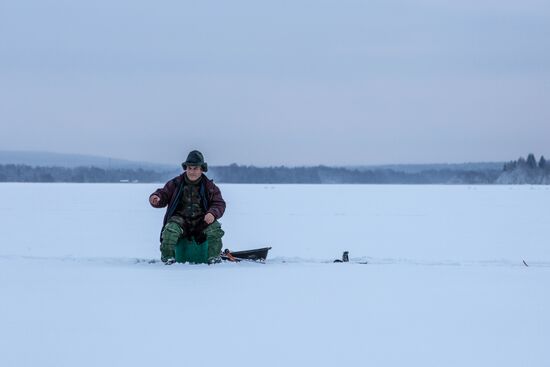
(521, 171)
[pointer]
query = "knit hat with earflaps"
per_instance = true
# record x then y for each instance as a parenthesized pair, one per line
(195, 158)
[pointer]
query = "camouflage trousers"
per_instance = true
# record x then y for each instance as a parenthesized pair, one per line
(174, 230)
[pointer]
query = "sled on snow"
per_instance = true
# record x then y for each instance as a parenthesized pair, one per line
(259, 254)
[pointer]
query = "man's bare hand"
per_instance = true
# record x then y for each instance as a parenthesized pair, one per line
(154, 200)
(209, 218)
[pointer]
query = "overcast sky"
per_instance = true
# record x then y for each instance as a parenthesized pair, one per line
(282, 82)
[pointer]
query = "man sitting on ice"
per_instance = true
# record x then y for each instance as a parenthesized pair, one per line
(194, 204)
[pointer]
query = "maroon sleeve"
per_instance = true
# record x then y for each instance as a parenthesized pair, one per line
(217, 204)
(165, 193)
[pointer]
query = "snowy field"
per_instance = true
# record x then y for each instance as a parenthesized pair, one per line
(445, 283)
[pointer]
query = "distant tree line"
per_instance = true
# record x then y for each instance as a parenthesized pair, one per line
(333, 175)
(247, 174)
(526, 171)
(24, 173)
(529, 163)
(522, 171)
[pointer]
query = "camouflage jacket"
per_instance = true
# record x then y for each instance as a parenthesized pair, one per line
(211, 196)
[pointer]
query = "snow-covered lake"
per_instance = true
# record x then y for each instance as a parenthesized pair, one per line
(445, 283)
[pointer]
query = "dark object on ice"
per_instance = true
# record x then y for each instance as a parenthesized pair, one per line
(259, 254)
(345, 258)
(524, 263)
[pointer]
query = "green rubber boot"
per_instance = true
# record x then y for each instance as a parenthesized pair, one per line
(214, 234)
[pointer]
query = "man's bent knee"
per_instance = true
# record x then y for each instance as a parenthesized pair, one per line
(171, 234)
(214, 231)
